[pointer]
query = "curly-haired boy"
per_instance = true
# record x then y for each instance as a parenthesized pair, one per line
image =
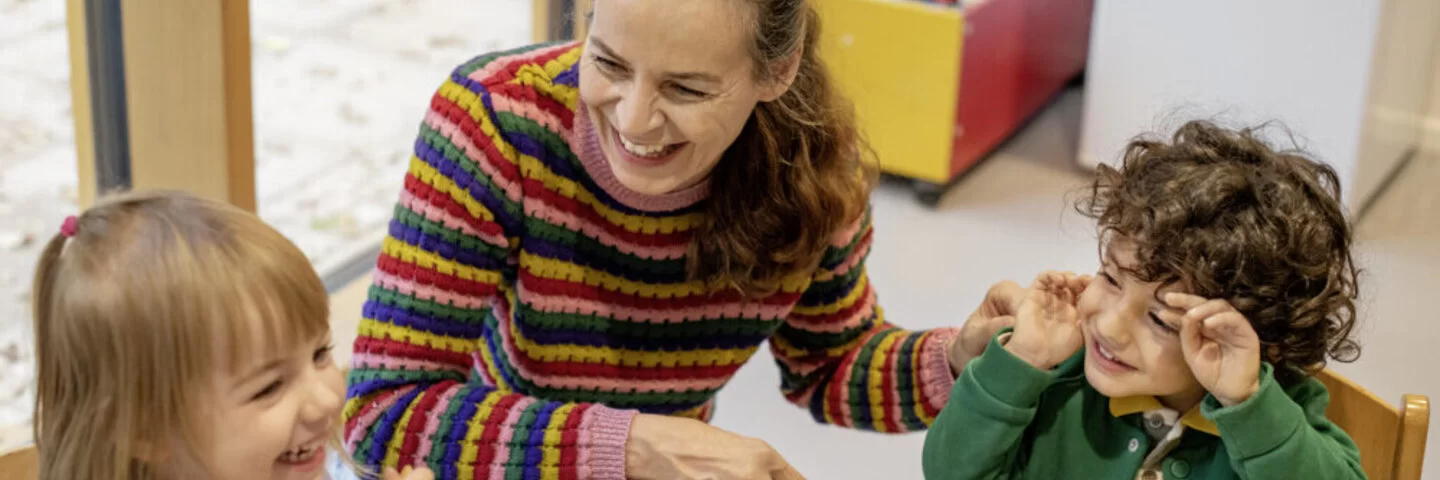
(1226, 281)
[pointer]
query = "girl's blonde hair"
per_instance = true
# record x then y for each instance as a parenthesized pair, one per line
(133, 316)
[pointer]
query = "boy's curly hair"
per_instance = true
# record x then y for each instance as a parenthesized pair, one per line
(1224, 214)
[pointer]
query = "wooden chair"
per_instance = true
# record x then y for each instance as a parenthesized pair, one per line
(1391, 440)
(22, 464)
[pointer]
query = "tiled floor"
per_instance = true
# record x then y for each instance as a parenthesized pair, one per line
(1010, 219)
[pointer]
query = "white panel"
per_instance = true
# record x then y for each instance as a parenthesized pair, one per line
(1399, 90)
(1154, 64)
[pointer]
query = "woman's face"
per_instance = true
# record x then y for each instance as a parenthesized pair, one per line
(669, 86)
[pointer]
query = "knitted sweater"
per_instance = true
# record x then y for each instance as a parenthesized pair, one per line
(526, 304)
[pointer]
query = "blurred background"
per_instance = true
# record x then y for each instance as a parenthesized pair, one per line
(305, 111)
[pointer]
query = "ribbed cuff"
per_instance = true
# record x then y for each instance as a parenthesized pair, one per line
(936, 378)
(608, 435)
(1006, 377)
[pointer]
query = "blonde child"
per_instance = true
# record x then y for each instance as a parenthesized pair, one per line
(180, 338)
(1226, 280)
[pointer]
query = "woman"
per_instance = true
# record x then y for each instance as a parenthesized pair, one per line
(594, 237)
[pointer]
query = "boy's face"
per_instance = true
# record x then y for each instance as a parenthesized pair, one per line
(1132, 339)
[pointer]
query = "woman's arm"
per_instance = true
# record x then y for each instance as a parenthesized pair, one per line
(449, 253)
(840, 359)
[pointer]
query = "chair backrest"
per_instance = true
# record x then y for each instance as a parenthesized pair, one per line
(22, 464)
(1391, 440)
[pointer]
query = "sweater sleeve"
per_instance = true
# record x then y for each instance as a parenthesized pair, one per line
(422, 388)
(995, 400)
(840, 359)
(1283, 433)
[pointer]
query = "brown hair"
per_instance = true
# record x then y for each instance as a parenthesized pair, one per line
(795, 177)
(1224, 214)
(132, 315)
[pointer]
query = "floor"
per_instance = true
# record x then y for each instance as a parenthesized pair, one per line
(1009, 219)
(330, 151)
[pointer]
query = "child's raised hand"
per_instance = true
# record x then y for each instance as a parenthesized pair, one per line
(1047, 326)
(1221, 347)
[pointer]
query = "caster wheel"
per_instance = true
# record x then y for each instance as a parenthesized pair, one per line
(928, 193)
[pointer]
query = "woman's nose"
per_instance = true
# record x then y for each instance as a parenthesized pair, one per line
(636, 114)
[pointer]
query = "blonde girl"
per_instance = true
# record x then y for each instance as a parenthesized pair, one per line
(181, 338)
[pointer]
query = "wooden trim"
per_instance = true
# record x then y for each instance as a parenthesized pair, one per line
(540, 20)
(80, 102)
(187, 81)
(23, 464)
(239, 107)
(1414, 426)
(581, 26)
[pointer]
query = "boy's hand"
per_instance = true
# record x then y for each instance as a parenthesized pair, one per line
(1047, 326)
(997, 311)
(1221, 347)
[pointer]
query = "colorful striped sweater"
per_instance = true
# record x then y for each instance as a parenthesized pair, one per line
(526, 305)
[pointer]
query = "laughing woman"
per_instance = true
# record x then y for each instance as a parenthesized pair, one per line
(593, 237)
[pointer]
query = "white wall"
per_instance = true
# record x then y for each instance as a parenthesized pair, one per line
(1309, 64)
(1401, 79)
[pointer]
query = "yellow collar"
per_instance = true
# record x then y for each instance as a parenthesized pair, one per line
(1123, 406)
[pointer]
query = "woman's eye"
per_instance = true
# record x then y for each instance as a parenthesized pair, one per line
(1159, 323)
(690, 92)
(1109, 278)
(270, 389)
(608, 64)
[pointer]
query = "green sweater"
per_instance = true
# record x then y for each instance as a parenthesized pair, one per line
(1008, 419)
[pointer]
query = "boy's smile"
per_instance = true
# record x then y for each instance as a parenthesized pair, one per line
(1131, 338)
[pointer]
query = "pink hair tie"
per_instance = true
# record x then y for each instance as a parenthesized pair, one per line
(68, 228)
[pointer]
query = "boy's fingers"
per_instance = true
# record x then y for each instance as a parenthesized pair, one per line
(1229, 328)
(1183, 301)
(787, 473)
(1190, 336)
(1209, 309)
(389, 473)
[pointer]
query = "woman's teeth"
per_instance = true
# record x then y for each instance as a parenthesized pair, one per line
(643, 150)
(300, 455)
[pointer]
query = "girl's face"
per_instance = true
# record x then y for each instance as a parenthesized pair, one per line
(1132, 339)
(272, 418)
(669, 86)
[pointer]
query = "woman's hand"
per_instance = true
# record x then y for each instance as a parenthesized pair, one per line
(408, 473)
(997, 311)
(1047, 326)
(1221, 347)
(662, 447)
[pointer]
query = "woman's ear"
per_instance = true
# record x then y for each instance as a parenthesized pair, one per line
(787, 70)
